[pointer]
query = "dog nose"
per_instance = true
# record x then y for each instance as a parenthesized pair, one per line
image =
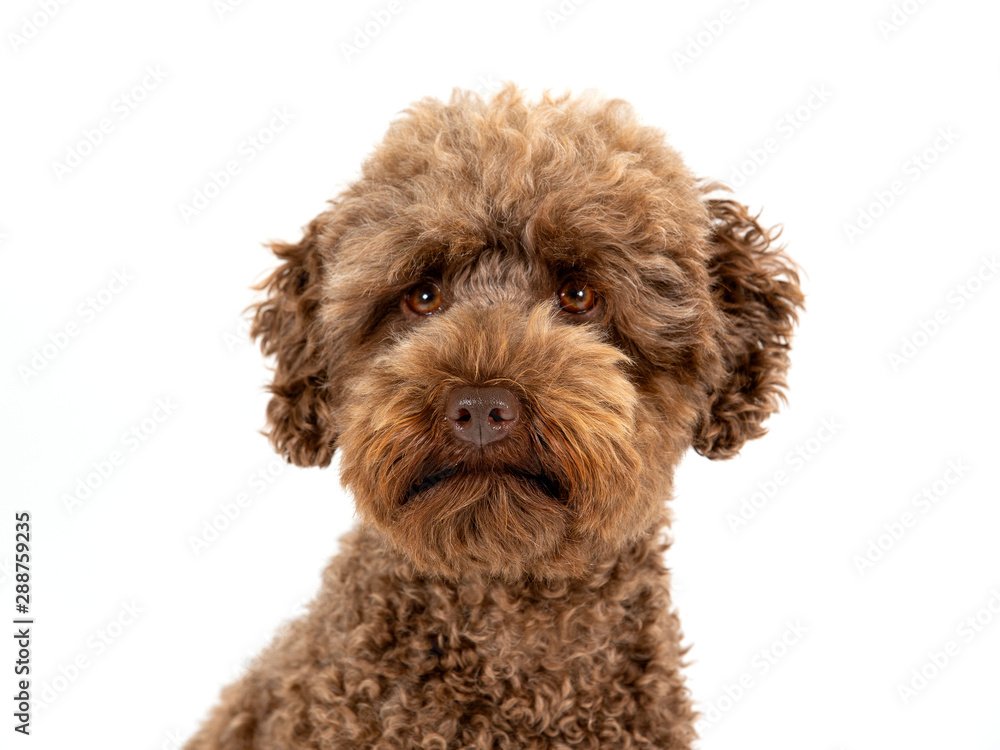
(482, 415)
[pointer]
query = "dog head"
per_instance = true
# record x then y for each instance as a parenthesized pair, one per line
(514, 324)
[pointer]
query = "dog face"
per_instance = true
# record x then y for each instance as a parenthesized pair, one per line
(514, 324)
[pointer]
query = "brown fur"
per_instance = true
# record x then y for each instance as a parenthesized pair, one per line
(522, 603)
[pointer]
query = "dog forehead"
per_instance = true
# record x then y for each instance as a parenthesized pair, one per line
(557, 185)
(473, 164)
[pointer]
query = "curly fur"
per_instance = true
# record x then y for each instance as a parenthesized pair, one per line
(519, 600)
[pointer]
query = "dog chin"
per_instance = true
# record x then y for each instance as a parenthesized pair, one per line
(455, 521)
(444, 480)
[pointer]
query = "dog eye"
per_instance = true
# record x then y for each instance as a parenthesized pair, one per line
(577, 297)
(424, 298)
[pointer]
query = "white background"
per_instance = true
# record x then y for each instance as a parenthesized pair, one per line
(175, 333)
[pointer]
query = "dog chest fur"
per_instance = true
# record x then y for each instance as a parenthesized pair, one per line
(410, 662)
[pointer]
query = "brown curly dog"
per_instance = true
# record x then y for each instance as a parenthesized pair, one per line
(512, 326)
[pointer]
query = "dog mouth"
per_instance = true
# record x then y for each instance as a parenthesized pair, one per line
(547, 484)
(431, 480)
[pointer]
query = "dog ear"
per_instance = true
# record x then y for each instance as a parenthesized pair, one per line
(286, 323)
(756, 291)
